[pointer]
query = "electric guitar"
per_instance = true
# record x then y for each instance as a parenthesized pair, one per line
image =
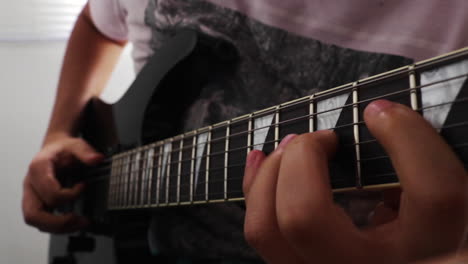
(206, 165)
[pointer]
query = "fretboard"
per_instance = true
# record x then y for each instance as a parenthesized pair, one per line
(206, 165)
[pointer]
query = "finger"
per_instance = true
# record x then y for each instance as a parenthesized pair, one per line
(261, 227)
(35, 215)
(41, 175)
(307, 216)
(254, 160)
(420, 156)
(83, 151)
(433, 180)
(391, 198)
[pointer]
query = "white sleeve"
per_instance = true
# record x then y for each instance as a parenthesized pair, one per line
(109, 18)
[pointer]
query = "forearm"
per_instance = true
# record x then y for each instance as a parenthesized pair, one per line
(89, 60)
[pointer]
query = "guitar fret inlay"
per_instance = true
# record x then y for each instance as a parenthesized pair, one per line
(261, 127)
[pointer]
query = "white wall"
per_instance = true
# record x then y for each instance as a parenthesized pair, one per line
(28, 77)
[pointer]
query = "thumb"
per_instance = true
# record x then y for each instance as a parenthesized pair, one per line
(83, 152)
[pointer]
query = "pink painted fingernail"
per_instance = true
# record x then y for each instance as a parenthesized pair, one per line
(378, 106)
(285, 141)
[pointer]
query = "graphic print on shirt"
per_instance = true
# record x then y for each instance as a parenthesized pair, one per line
(275, 66)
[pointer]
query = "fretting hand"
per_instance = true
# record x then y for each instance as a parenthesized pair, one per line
(291, 216)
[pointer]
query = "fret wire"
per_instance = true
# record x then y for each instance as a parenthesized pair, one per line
(159, 176)
(226, 160)
(127, 180)
(110, 192)
(179, 169)
(277, 122)
(207, 174)
(249, 135)
(124, 179)
(150, 172)
(357, 148)
(412, 86)
(121, 181)
(112, 185)
(311, 113)
(118, 174)
(132, 178)
(168, 171)
(144, 176)
(131, 170)
(192, 168)
(138, 176)
(116, 182)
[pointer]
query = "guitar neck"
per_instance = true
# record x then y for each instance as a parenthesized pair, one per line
(206, 165)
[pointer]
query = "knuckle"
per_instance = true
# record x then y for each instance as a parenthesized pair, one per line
(29, 218)
(36, 163)
(305, 143)
(295, 224)
(257, 234)
(52, 199)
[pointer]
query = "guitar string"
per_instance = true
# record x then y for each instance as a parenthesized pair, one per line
(332, 110)
(307, 101)
(137, 184)
(176, 152)
(104, 175)
(120, 202)
(140, 182)
(273, 111)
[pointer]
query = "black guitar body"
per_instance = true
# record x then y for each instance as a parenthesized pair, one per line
(151, 109)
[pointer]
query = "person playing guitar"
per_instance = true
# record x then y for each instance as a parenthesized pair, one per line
(286, 50)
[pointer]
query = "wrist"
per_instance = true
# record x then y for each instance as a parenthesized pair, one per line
(56, 136)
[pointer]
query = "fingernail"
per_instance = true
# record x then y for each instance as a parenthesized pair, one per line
(252, 158)
(378, 106)
(95, 157)
(285, 141)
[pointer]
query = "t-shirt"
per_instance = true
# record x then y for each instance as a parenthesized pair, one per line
(418, 29)
(287, 49)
